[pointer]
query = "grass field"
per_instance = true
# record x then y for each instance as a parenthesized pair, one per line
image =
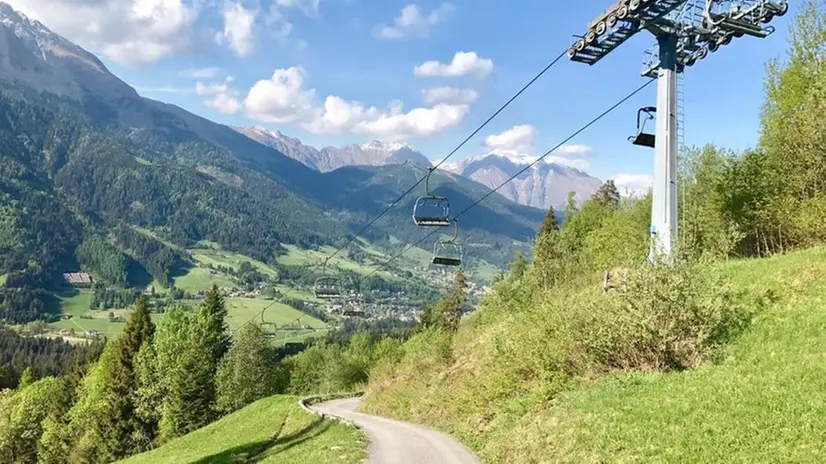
(272, 430)
(239, 311)
(218, 257)
(299, 257)
(764, 400)
(78, 305)
(198, 278)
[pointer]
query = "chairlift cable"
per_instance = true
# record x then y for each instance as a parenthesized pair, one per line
(429, 234)
(453, 152)
(476, 203)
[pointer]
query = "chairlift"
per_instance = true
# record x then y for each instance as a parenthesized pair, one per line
(326, 287)
(448, 252)
(264, 324)
(643, 138)
(431, 210)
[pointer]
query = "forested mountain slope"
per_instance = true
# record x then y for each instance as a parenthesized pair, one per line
(85, 160)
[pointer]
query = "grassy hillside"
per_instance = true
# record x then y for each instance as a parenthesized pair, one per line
(272, 430)
(763, 398)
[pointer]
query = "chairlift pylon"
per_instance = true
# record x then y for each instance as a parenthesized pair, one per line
(431, 210)
(643, 138)
(448, 252)
(326, 287)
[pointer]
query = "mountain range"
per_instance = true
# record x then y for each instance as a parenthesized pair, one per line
(541, 186)
(94, 176)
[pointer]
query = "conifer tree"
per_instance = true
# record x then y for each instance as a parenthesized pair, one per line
(519, 265)
(607, 195)
(128, 432)
(26, 378)
(246, 374)
(545, 249)
(213, 313)
(549, 224)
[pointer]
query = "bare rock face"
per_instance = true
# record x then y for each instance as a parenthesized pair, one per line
(542, 185)
(374, 153)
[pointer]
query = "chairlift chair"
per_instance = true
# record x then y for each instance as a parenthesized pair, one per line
(326, 287)
(431, 210)
(448, 252)
(643, 138)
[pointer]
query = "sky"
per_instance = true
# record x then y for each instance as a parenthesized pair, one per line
(335, 72)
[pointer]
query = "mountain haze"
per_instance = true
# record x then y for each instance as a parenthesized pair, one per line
(542, 185)
(374, 153)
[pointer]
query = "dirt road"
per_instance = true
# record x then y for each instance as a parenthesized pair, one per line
(394, 442)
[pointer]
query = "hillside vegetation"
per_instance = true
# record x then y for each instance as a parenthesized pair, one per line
(271, 430)
(715, 356)
(764, 398)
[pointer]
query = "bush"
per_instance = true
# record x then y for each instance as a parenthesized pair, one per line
(670, 318)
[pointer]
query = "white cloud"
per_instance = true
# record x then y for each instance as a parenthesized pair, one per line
(129, 32)
(519, 144)
(463, 64)
(411, 21)
(221, 97)
(435, 95)
(200, 73)
(284, 99)
(633, 185)
(281, 99)
(309, 7)
(239, 25)
(518, 138)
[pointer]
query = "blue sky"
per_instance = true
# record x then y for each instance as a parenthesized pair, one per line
(336, 48)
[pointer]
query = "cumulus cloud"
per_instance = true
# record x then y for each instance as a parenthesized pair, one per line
(281, 98)
(436, 95)
(129, 32)
(463, 64)
(239, 28)
(633, 185)
(285, 99)
(518, 138)
(220, 97)
(413, 22)
(519, 144)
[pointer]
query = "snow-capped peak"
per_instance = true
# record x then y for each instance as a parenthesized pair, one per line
(377, 145)
(514, 157)
(35, 33)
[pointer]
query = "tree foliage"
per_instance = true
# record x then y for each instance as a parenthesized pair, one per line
(247, 373)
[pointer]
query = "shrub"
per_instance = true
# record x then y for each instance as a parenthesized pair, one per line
(669, 318)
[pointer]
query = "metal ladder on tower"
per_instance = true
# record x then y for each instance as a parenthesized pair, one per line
(681, 148)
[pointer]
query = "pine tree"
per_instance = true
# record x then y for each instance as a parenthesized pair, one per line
(139, 330)
(518, 266)
(545, 249)
(123, 380)
(549, 224)
(27, 378)
(607, 195)
(214, 313)
(246, 373)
